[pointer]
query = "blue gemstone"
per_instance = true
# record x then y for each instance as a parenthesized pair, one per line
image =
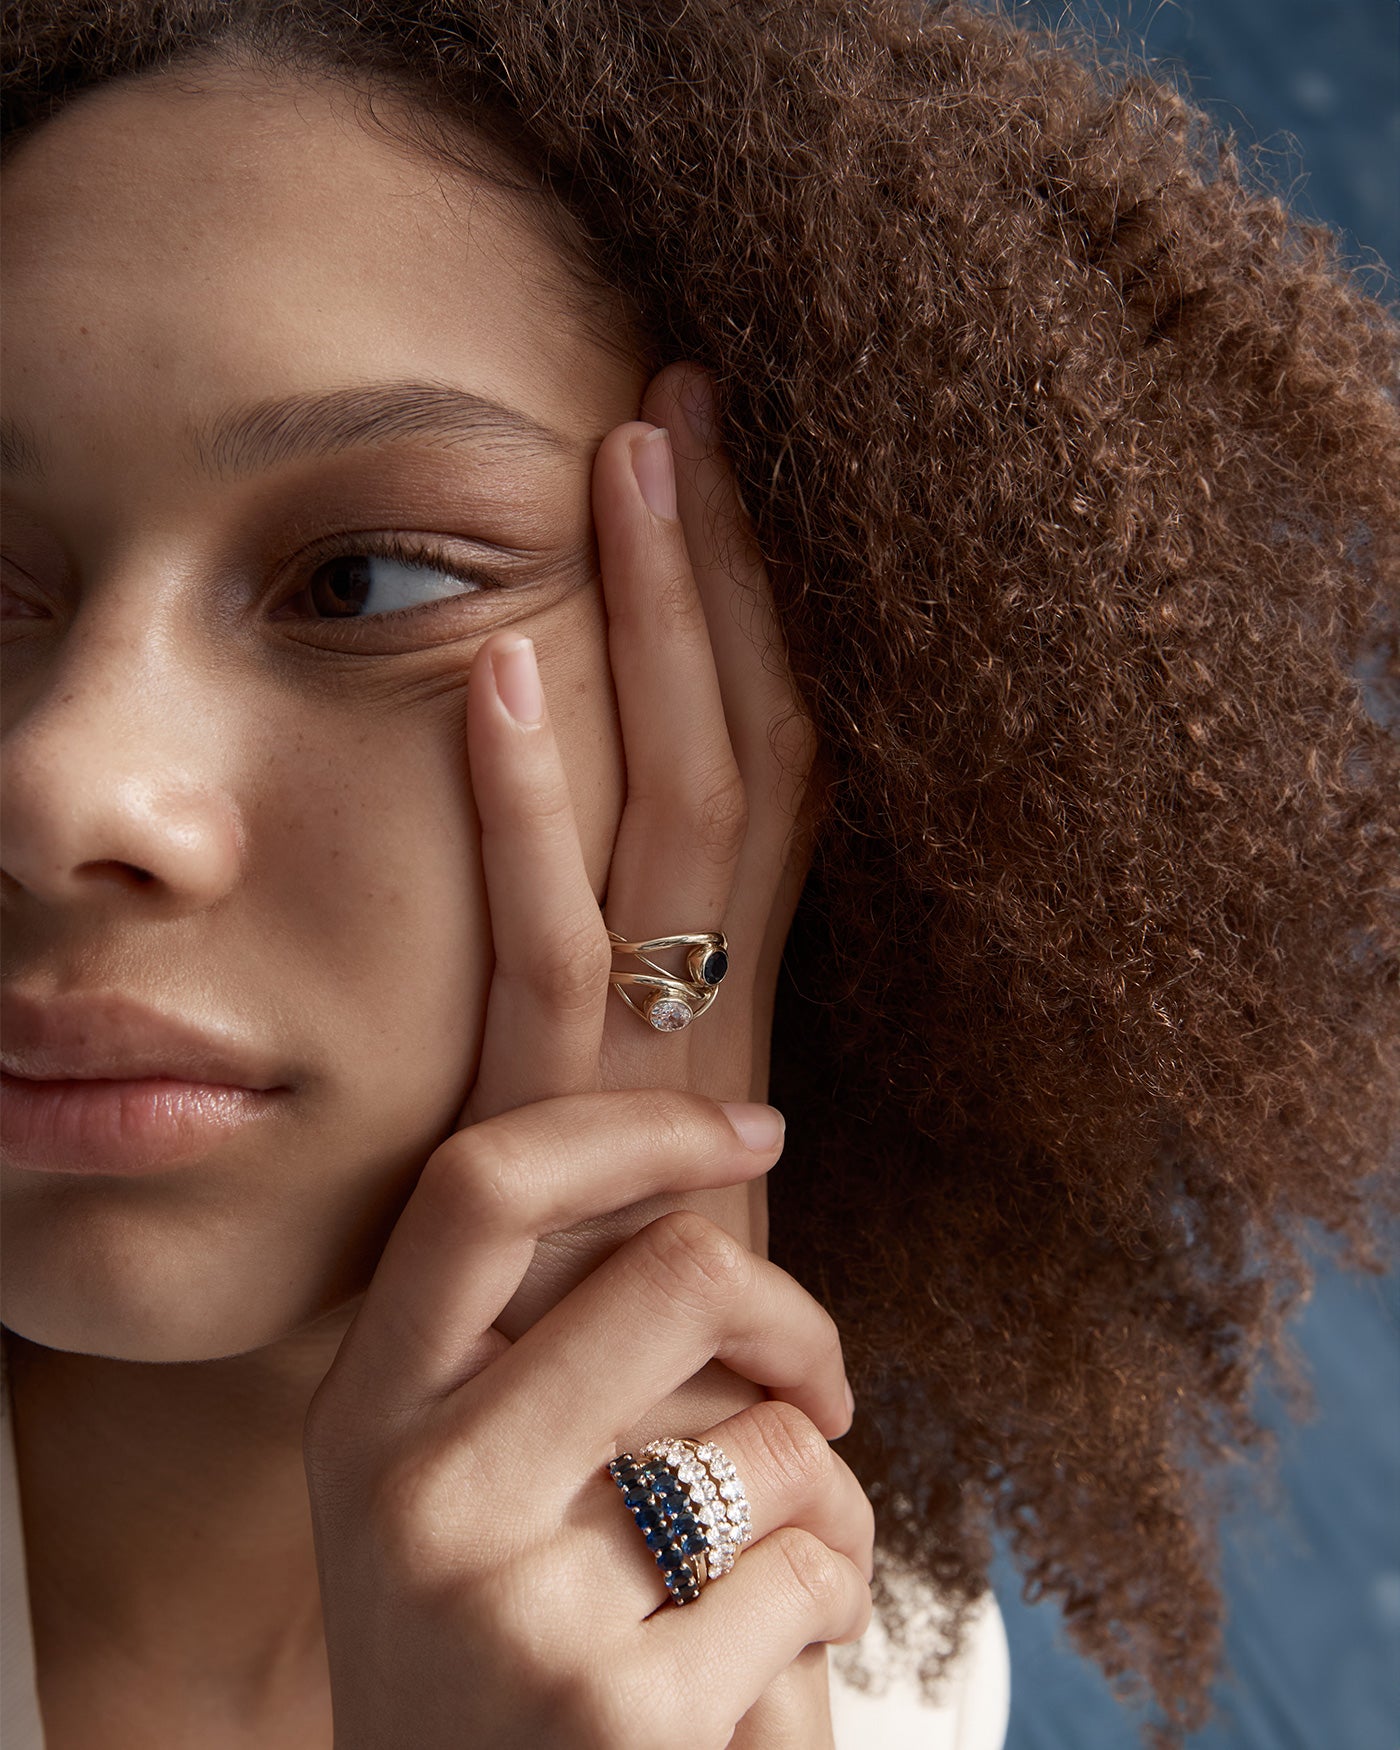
(714, 966)
(637, 1497)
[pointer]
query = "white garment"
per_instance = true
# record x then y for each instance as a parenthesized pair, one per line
(973, 1715)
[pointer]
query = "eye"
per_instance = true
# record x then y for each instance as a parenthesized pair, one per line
(383, 574)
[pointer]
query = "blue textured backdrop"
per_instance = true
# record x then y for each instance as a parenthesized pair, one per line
(1312, 1578)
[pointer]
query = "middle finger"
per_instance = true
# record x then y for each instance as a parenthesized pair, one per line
(675, 1296)
(685, 817)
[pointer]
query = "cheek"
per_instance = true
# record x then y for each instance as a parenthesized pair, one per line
(371, 900)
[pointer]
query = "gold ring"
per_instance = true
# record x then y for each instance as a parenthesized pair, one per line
(667, 1000)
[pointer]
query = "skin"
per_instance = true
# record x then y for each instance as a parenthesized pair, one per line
(321, 836)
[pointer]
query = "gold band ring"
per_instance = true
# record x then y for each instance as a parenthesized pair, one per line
(668, 1001)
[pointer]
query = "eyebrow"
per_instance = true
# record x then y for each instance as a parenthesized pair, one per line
(263, 434)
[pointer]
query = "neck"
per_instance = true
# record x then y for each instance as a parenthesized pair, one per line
(166, 1519)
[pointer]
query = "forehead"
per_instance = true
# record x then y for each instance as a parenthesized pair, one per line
(241, 236)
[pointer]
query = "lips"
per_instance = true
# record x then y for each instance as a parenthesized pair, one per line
(104, 1036)
(97, 1083)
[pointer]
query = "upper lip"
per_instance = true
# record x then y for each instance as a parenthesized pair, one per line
(104, 1036)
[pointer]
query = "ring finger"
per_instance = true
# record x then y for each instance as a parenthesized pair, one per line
(789, 1475)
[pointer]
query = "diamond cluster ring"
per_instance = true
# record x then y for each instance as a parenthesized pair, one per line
(667, 999)
(690, 1506)
(717, 1498)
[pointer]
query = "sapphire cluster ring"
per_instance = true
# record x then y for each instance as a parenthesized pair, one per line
(690, 1507)
(667, 998)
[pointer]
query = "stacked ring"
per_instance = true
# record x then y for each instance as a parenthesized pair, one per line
(690, 1506)
(717, 1497)
(661, 1508)
(665, 999)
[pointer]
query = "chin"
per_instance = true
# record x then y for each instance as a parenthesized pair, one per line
(80, 1280)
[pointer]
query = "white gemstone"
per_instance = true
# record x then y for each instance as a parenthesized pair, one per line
(669, 1014)
(705, 1453)
(731, 1491)
(708, 1490)
(689, 1473)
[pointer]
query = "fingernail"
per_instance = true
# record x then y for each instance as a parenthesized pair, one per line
(517, 678)
(651, 463)
(698, 404)
(759, 1127)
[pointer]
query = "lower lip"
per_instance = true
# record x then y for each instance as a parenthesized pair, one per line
(131, 1127)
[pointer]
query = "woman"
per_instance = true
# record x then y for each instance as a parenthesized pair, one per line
(947, 511)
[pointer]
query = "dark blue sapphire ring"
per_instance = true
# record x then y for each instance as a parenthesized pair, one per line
(666, 998)
(660, 1504)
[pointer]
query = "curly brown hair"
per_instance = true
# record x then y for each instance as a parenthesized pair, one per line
(1076, 462)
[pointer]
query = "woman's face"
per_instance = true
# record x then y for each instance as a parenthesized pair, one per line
(245, 335)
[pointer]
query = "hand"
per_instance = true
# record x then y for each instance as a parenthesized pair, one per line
(481, 1579)
(714, 769)
(717, 753)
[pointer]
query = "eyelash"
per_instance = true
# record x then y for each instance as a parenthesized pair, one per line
(407, 550)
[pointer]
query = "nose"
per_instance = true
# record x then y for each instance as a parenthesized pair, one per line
(114, 787)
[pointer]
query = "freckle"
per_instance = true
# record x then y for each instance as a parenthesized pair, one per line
(82, 331)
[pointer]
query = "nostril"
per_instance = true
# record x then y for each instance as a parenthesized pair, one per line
(126, 874)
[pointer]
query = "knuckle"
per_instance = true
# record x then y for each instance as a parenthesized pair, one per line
(718, 811)
(675, 606)
(793, 743)
(547, 810)
(791, 1446)
(414, 1514)
(473, 1179)
(813, 1570)
(401, 1506)
(676, 1122)
(570, 968)
(691, 1260)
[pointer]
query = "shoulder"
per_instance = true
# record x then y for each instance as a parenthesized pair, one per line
(973, 1710)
